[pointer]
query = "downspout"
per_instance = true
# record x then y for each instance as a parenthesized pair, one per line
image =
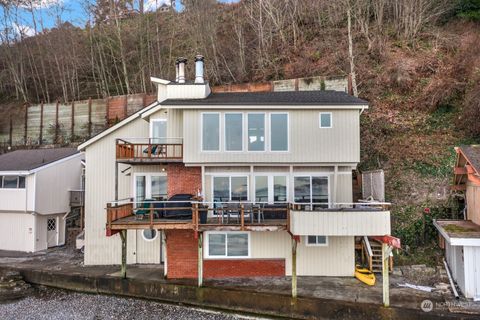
(361, 111)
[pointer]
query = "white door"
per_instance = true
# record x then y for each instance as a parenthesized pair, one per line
(52, 232)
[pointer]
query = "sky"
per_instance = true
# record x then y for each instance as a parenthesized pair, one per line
(48, 11)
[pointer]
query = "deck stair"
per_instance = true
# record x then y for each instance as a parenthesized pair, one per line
(373, 254)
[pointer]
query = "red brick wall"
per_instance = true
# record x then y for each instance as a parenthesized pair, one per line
(182, 261)
(183, 179)
(242, 268)
(182, 254)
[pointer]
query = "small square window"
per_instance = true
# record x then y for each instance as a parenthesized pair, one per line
(317, 241)
(325, 119)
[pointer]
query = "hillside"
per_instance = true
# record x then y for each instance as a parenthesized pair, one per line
(423, 83)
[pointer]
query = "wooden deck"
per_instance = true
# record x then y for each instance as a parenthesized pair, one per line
(148, 151)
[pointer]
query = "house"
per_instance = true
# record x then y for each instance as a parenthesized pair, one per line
(34, 197)
(461, 237)
(270, 175)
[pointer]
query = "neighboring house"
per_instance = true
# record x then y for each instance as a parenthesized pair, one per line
(286, 156)
(34, 196)
(461, 238)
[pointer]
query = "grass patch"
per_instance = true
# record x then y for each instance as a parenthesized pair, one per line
(457, 229)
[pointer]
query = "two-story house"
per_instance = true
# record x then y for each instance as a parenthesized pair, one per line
(461, 238)
(35, 198)
(270, 174)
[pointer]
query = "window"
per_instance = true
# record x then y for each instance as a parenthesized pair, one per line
(227, 245)
(12, 182)
(279, 132)
(271, 188)
(230, 189)
(51, 224)
(311, 190)
(320, 241)
(325, 119)
(233, 131)
(150, 186)
(158, 130)
(149, 234)
(256, 131)
(210, 131)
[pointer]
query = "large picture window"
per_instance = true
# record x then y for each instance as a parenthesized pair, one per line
(12, 182)
(311, 190)
(256, 132)
(279, 132)
(234, 188)
(210, 131)
(227, 245)
(233, 131)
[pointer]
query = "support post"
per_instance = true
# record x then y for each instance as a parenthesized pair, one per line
(386, 293)
(123, 236)
(294, 268)
(116, 180)
(200, 259)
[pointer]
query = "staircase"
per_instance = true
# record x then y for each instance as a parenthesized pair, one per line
(373, 253)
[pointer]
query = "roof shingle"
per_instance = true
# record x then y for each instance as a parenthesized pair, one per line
(20, 160)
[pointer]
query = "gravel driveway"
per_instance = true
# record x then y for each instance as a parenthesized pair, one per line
(54, 304)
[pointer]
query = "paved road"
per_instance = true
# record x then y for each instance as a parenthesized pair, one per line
(57, 304)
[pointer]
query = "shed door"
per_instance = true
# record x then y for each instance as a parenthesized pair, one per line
(52, 231)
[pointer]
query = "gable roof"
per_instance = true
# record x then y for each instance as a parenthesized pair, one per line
(472, 155)
(291, 98)
(26, 160)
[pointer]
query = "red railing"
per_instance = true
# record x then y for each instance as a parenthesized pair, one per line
(150, 148)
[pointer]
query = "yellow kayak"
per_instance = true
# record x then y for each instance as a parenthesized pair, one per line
(365, 275)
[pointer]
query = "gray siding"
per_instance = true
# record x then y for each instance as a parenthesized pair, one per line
(308, 142)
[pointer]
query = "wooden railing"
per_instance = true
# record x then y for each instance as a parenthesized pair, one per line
(150, 148)
(117, 212)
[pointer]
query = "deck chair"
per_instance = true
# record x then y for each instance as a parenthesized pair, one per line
(153, 149)
(144, 210)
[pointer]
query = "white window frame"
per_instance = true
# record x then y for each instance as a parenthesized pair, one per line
(266, 129)
(219, 131)
(225, 132)
(270, 184)
(312, 175)
(157, 120)
(226, 256)
(229, 176)
(150, 240)
(270, 132)
(18, 181)
(316, 244)
(148, 182)
(320, 120)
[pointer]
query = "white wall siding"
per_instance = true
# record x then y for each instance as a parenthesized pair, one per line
(17, 231)
(53, 184)
(472, 271)
(13, 199)
(454, 255)
(340, 223)
(339, 144)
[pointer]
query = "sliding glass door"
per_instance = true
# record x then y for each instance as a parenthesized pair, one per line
(230, 188)
(311, 190)
(271, 189)
(150, 186)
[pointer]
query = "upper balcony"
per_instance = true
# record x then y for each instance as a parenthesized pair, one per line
(149, 150)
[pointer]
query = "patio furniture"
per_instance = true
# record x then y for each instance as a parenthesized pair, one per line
(143, 210)
(258, 208)
(233, 211)
(248, 211)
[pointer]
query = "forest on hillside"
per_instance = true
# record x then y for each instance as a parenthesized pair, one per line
(417, 62)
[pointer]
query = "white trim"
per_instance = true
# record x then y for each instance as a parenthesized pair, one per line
(116, 126)
(267, 107)
(14, 173)
(219, 132)
(473, 242)
(271, 185)
(159, 81)
(242, 139)
(313, 175)
(206, 253)
(316, 244)
(320, 120)
(73, 156)
(270, 133)
(265, 132)
(150, 240)
(151, 126)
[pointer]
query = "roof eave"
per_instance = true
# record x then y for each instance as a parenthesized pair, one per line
(265, 106)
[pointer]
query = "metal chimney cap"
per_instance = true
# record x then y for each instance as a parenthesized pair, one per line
(182, 60)
(199, 57)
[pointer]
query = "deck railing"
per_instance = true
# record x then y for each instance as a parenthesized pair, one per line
(149, 149)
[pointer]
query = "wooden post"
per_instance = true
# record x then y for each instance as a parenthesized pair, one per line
(294, 268)
(40, 136)
(72, 133)
(200, 259)
(386, 293)
(116, 180)
(89, 117)
(242, 217)
(123, 271)
(26, 124)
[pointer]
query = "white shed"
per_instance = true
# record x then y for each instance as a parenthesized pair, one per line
(34, 196)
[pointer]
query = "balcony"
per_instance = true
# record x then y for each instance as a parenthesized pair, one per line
(197, 216)
(149, 150)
